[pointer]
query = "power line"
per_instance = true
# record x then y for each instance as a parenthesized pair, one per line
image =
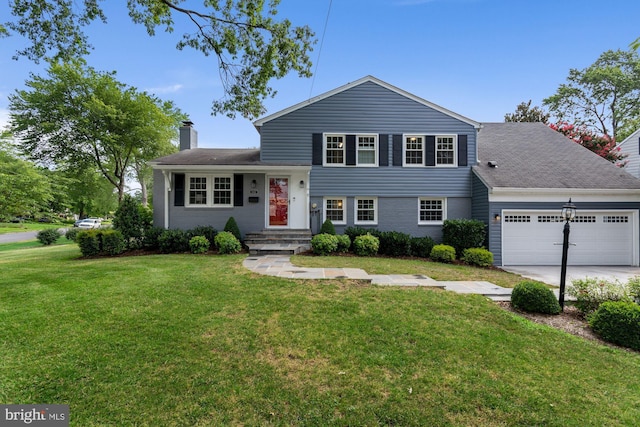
(324, 31)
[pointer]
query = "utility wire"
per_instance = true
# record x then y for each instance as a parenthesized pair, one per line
(324, 31)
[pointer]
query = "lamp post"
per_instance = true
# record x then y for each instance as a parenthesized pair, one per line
(568, 213)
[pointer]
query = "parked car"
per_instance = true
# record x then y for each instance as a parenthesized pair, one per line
(88, 223)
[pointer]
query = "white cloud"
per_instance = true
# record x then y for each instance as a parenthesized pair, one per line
(165, 89)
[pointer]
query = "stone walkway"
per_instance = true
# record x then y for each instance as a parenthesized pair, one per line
(280, 266)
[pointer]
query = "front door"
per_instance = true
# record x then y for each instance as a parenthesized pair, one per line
(278, 202)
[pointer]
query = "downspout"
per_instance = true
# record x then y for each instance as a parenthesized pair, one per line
(167, 186)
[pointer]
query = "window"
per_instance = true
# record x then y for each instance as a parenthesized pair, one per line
(211, 191)
(367, 150)
(431, 211)
(197, 190)
(445, 150)
(334, 149)
(334, 209)
(366, 210)
(413, 150)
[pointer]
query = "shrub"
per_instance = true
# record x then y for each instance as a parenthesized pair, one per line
(463, 234)
(421, 246)
(633, 286)
(354, 232)
(324, 244)
(199, 244)
(618, 322)
(113, 242)
(173, 241)
(344, 243)
(131, 219)
(232, 227)
(90, 242)
(327, 228)
(590, 292)
(534, 297)
(71, 234)
(394, 243)
(366, 245)
(204, 231)
(443, 253)
(151, 236)
(49, 236)
(227, 243)
(478, 256)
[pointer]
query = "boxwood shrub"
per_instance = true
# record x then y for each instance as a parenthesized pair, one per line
(394, 243)
(90, 242)
(443, 253)
(327, 227)
(356, 231)
(227, 243)
(199, 245)
(478, 256)
(534, 297)
(324, 244)
(618, 322)
(173, 241)
(113, 242)
(366, 245)
(344, 243)
(463, 234)
(48, 236)
(421, 246)
(205, 231)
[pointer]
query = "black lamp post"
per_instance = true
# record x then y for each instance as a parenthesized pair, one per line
(568, 213)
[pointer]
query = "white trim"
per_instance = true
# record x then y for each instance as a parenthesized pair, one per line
(404, 150)
(267, 203)
(561, 195)
(376, 150)
(260, 122)
(227, 168)
(455, 151)
(344, 209)
(209, 190)
(444, 210)
(325, 149)
(167, 192)
(375, 210)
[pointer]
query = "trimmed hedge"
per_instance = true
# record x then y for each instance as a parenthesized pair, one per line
(199, 244)
(113, 242)
(463, 234)
(366, 245)
(227, 243)
(327, 228)
(618, 322)
(206, 231)
(344, 243)
(173, 241)
(101, 242)
(393, 243)
(443, 253)
(71, 234)
(535, 298)
(478, 256)
(232, 227)
(48, 236)
(422, 246)
(324, 244)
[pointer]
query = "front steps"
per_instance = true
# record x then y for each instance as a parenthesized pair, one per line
(278, 242)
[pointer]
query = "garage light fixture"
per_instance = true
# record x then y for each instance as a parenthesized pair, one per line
(496, 217)
(568, 213)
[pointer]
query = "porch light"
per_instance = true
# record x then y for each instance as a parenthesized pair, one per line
(301, 183)
(568, 213)
(254, 184)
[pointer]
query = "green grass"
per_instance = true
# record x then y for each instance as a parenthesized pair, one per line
(9, 227)
(435, 270)
(190, 340)
(5, 247)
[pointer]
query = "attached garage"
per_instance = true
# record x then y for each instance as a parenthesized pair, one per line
(597, 238)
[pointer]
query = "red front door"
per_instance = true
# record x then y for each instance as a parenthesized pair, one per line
(278, 202)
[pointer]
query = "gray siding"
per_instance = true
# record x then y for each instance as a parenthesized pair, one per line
(369, 108)
(631, 147)
(398, 214)
(495, 231)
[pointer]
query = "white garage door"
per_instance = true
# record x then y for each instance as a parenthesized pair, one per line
(600, 238)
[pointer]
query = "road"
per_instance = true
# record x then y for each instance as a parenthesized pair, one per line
(22, 236)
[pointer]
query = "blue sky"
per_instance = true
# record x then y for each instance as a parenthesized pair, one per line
(479, 58)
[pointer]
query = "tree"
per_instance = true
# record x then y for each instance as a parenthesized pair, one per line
(603, 145)
(25, 190)
(250, 45)
(524, 113)
(78, 116)
(601, 97)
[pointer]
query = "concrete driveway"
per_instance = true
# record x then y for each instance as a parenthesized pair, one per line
(551, 274)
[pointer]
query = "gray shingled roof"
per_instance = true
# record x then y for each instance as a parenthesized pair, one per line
(531, 155)
(219, 157)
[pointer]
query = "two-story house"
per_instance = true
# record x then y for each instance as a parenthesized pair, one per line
(370, 154)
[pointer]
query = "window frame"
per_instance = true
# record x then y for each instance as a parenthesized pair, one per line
(443, 202)
(375, 210)
(375, 150)
(454, 149)
(344, 209)
(421, 150)
(325, 149)
(210, 190)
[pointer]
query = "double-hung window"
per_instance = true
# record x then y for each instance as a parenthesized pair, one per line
(367, 150)
(445, 150)
(210, 191)
(431, 211)
(334, 147)
(366, 210)
(334, 209)
(413, 150)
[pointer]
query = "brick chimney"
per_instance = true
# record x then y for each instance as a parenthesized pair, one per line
(188, 136)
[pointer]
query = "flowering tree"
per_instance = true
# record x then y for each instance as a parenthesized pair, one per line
(603, 145)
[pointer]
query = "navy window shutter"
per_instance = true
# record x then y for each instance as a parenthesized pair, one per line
(383, 149)
(462, 150)
(178, 189)
(397, 150)
(238, 190)
(317, 142)
(430, 150)
(351, 150)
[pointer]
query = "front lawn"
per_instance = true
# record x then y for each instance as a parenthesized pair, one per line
(198, 340)
(18, 227)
